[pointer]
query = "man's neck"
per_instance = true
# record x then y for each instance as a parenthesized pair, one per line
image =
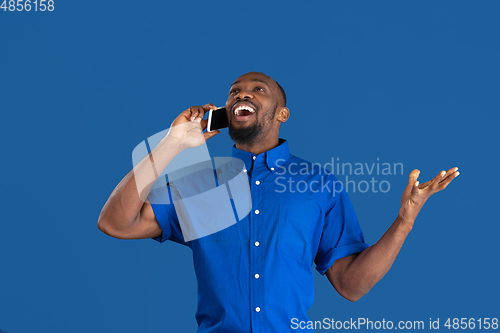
(259, 147)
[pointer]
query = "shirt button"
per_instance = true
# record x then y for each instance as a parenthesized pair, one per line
(257, 183)
(254, 158)
(257, 309)
(244, 170)
(257, 243)
(272, 169)
(257, 211)
(257, 276)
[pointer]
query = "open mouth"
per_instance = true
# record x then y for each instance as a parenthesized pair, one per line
(243, 111)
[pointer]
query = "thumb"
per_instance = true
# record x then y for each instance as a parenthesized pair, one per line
(209, 135)
(413, 176)
(413, 182)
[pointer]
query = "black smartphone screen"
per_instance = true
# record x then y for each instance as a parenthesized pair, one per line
(217, 119)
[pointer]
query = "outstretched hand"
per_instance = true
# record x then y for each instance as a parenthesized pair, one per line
(416, 194)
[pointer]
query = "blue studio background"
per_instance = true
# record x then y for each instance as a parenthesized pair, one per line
(405, 82)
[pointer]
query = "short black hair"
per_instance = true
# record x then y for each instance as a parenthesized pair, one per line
(282, 93)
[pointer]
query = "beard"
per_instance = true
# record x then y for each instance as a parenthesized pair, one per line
(249, 134)
(245, 135)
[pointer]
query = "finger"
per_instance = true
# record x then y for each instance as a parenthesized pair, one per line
(209, 106)
(412, 180)
(449, 173)
(424, 185)
(201, 111)
(435, 181)
(413, 177)
(205, 108)
(444, 177)
(447, 180)
(414, 189)
(209, 135)
(194, 112)
(438, 179)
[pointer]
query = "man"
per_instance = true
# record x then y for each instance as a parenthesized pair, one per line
(256, 275)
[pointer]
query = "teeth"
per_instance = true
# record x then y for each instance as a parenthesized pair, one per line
(243, 107)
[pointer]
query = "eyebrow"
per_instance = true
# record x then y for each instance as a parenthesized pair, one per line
(254, 80)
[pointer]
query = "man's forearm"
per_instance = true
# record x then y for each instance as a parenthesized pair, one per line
(369, 266)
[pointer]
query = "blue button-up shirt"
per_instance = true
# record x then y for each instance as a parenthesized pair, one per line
(256, 275)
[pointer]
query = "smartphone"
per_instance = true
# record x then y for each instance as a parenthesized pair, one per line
(217, 119)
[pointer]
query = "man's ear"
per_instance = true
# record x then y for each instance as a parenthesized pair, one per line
(283, 114)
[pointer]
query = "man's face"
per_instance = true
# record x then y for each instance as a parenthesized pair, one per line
(251, 106)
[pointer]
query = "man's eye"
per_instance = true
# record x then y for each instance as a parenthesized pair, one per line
(260, 89)
(233, 91)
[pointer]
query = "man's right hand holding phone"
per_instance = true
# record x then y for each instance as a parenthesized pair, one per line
(187, 129)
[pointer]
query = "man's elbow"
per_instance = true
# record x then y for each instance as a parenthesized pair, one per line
(103, 226)
(107, 228)
(353, 297)
(352, 294)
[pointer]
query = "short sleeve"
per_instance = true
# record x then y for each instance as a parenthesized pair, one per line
(166, 216)
(342, 235)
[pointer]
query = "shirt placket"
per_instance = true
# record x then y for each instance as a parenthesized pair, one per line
(257, 244)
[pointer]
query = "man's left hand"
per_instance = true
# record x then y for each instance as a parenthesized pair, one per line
(416, 194)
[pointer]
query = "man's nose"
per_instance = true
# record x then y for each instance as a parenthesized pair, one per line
(244, 93)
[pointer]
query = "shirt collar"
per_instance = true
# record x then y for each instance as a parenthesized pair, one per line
(274, 157)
